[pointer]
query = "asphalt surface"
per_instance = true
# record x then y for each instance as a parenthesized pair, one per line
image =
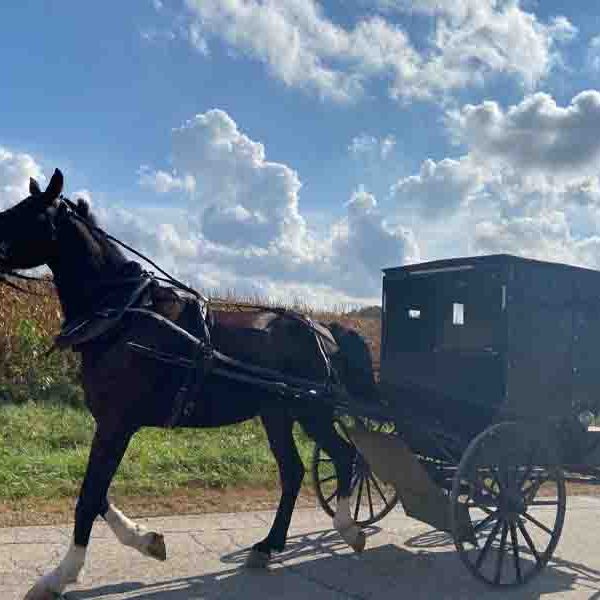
(404, 559)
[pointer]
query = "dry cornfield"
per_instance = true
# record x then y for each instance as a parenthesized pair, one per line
(38, 315)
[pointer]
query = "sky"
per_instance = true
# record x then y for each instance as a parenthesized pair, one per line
(291, 149)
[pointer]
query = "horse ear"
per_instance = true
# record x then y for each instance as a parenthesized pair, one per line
(54, 187)
(34, 187)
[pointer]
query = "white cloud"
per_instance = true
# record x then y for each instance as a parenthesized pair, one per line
(15, 170)
(593, 55)
(196, 39)
(163, 182)
(536, 134)
(301, 46)
(243, 198)
(529, 185)
(584, 192)
(439, 188)
(504, 210)
(546, 236)
(153, 35)
(244, 225)
(364, 242)
(364, 145)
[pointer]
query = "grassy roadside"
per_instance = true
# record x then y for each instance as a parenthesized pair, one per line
(44, 450)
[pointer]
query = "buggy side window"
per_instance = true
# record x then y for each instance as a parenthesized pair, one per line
(458, 313)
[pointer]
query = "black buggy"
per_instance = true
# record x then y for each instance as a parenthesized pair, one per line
(488, 385)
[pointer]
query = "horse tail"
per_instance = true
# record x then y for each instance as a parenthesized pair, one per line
(357, 363)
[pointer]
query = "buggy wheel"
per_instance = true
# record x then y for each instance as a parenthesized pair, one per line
(371, 499)
(508, 505)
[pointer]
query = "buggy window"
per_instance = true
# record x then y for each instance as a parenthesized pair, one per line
(444, 311)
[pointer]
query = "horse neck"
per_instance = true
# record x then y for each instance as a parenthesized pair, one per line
(82, 264)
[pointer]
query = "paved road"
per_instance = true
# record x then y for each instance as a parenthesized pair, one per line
(404, 559)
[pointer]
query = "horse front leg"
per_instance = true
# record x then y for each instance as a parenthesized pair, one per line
(279, 427)
(108, 448)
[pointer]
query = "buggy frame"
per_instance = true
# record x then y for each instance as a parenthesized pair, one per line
(487, 386)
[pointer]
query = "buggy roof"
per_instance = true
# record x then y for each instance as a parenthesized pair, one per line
(471, 262)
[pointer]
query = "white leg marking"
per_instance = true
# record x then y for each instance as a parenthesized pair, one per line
(67, 572)
(346, 527)
(136, 536)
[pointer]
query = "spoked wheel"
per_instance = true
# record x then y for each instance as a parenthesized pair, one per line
(508, 506)
(371, 499)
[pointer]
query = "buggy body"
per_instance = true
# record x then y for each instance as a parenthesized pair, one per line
(470, 341)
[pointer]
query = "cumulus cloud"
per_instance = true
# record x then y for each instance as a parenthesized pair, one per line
(584, 192)
(243, 224)
(547, 236)
(363, 242)
(593, 55)
(301, 46)
(15, 170)
(439, 188)
(536, 134)
(461, 206)
(163, 182)
(244, 199)
(529, 183)
(364, 145)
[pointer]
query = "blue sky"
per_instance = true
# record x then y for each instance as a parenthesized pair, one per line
(295, 148)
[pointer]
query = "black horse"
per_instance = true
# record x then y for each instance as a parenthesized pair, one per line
(125, 390)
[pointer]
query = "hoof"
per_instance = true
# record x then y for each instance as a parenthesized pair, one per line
(360, 542)
(38, 592)
(354, 537)
(256, 560)
(156, 548)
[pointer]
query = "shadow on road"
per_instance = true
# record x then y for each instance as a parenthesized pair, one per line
(317, 565)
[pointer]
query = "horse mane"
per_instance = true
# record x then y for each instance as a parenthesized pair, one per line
(83, 209)
(97, 242)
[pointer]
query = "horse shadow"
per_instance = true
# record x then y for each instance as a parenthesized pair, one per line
(317, 565)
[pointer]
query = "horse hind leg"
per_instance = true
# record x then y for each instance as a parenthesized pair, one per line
(342, 455)
(345, 525)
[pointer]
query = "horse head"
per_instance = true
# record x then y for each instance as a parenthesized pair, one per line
(27, 232)
(48, 229)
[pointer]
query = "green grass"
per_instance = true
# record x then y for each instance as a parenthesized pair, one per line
(44, 450)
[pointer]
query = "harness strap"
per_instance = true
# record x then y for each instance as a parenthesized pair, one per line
(187, 395)
(264, 372)
(110, 317)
